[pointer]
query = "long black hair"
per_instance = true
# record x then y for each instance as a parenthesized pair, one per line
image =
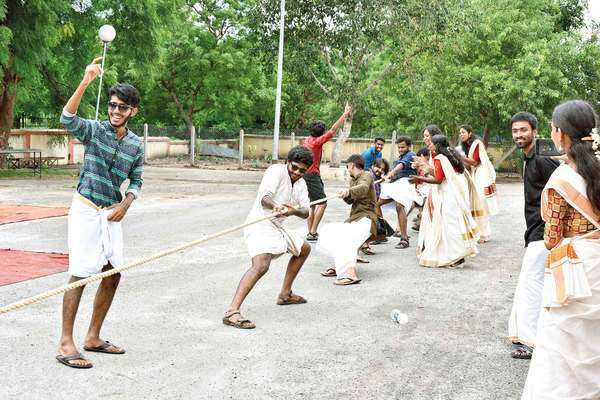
(576, 119)
(443, 147)
(466, 146)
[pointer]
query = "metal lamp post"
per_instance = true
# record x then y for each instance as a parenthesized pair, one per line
(279, 81)
(107, 34)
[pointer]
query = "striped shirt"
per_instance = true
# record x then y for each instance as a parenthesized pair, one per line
(107, 162)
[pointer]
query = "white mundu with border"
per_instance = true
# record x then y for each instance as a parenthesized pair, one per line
(93, 240)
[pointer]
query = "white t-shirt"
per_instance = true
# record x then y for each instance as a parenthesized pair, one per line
(276, 184)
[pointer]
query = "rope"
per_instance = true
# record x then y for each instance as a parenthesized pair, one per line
(82, 282)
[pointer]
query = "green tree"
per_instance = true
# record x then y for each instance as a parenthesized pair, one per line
(206, 67)
(27, 32)
(349, 47)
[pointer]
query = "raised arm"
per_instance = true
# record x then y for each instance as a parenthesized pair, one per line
(82, 129)
(340, 121)
(91, 72)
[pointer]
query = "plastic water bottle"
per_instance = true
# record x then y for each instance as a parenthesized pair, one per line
(398, 317)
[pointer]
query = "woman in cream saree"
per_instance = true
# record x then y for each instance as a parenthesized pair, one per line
(448, 232)
(566, 360)
(484, 177)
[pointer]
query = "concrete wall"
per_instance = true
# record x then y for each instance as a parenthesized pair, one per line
(58, 143)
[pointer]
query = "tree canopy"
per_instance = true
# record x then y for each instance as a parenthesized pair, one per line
(402, 64)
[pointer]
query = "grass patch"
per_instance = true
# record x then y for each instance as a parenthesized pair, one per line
(27, 173)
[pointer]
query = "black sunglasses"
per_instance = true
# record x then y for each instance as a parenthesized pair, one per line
(122, 107)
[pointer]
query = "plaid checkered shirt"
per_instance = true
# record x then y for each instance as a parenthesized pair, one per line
(107, 162)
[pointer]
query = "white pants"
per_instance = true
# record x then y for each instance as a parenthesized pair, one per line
(93, 240)
(527, 303)
(342, 241)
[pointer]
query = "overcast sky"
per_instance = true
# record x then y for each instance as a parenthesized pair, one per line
(594, 10)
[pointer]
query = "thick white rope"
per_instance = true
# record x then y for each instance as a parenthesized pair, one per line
(82, 282)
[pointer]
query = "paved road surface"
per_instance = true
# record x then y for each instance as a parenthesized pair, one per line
(341, 345)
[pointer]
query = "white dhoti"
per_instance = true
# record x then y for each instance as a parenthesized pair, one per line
(527, 302)
(402, 192)
(271, 237)
(93, 240)
(341, 241)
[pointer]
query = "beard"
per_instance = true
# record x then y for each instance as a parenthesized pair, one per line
(124, 121)
(522, 143)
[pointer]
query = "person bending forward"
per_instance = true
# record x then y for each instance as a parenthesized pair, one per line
(342, 240)
(281, 191)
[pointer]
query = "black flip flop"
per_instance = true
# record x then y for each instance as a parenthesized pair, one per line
(103, 348)
(362, 260)
(77, 356)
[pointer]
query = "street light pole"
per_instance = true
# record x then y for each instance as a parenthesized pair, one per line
(279, 81)
(107, 34)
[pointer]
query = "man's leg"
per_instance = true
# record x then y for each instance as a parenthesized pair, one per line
(402, 220)
(294, 266)
(317, 215)
(71, 301)
(310, 219)
(102, 302)
(380, 203)
(402, 227)
(260, 266)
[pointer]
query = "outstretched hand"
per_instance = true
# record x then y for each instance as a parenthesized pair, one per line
(347, 109)
(92, 71)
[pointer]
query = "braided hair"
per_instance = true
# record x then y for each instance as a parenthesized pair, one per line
(577, 119)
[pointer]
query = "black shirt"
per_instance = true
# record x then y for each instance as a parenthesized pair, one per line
(536, 173)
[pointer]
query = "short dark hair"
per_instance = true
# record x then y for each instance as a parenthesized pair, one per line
(423, 152)
(125, 92)
(405, 139)
(379, 139)
(357, 160)
(317, 129)
(527, 117)
(300, 154)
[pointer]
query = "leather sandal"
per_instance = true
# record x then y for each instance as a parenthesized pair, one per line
(240, 323)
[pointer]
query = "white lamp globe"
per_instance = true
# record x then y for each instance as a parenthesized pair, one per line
(107, 33)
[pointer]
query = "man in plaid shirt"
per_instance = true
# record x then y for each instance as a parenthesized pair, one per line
(112, 154)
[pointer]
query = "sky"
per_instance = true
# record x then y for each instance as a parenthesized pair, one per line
(594, 10)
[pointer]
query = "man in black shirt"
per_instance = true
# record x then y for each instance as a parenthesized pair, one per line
(522, 325)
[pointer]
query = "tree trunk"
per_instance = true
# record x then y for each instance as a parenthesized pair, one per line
(7, 104)
(486, 136)
(336, 154)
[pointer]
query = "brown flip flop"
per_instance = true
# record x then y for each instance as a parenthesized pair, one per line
(77, 356)
(103, 348)
(329, 272)
(346, 281)
(362, 260)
